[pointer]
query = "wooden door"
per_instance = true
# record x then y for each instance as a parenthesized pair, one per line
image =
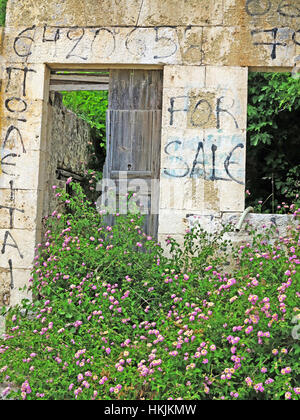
(134, 137)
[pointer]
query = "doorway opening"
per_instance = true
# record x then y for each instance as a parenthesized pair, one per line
(110, 129)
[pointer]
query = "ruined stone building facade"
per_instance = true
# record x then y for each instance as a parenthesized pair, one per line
(201, 50)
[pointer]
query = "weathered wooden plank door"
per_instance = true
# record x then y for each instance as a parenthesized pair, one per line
(134, 137)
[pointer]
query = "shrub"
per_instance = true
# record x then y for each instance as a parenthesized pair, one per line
(114, 318)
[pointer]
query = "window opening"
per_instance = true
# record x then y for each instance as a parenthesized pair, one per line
(273, 138)
(123, 109)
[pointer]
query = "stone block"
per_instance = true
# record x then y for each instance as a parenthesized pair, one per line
(5, 287)
(183, 12)
(266, 14)
(172, 222)
(29, 13)
(182, 194)
(232, 197)
(19, 209)
(18, 246)
(21, 281)
(23, 169)
(188, 77)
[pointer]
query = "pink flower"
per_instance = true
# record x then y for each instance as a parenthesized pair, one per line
(6, 391)
(288, 395)
(249, 329)
(249, 381)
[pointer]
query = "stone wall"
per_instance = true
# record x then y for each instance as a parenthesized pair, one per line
(204, 47)
(66, 149)
(67, 138)
(199, 32)
(260, 223)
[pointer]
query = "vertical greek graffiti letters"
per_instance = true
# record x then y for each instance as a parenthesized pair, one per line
(12, 245)
(15, 105)
(12, 190)
(228, 162)
(17, 119)
(12, 155)
(11, 274)
(10, 141)
(25, 71)
(11, 213)
(187, 170)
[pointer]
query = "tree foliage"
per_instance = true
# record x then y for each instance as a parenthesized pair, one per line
(273, 138)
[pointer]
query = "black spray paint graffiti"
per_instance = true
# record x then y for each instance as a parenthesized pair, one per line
(84, 39)
(13, 145)
(13, 244)
(210, 111)
(273, 34)
(156, 43)
(163, 41)
(261, 8)
(285, 9)
(23, 42)
(199, 167)
(25, 72)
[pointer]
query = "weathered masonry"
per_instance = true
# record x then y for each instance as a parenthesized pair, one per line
(201, 51)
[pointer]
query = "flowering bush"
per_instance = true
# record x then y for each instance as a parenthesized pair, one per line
(113, 318)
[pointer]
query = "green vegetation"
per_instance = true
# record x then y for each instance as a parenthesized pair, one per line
(273, 153)
(91, 106)
(113, 318)
(2, 12)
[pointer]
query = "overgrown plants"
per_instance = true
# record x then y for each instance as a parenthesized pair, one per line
(114, 318)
